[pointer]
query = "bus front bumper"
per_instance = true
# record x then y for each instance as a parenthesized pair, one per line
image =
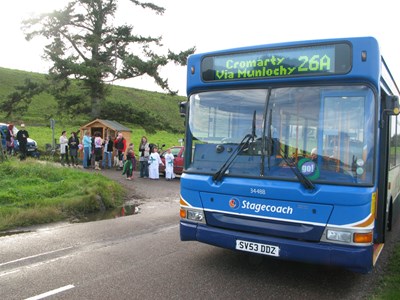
(356, 259)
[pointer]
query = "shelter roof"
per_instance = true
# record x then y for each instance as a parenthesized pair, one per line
(110, 124)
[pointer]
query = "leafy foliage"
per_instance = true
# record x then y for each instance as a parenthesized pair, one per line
(19, 100)
(134, 114)
(85, 45)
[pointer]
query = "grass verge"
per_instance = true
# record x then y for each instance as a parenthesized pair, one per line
(389, 287)
(34, 192)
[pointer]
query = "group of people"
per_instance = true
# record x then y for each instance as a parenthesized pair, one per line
(22, 138)
(69, 148)
(96, 150)
(98, 153)
(150, 160)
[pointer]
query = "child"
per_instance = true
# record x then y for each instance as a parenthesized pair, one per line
(130, 163)
(154, 163)
(120, 146)
(169, 165)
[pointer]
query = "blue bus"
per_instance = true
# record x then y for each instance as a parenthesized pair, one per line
(292, 150)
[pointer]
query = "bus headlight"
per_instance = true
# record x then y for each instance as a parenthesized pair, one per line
(339, 236)
(192, 215)
(195, 215)
(352, 236)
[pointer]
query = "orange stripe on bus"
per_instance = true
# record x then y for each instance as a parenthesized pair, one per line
(183, 202)
(367, 222)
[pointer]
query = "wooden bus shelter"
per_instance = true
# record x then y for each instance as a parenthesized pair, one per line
(106, 127)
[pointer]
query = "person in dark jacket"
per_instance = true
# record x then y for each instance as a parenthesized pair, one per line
(22, 137)
(108, 150)
(73, 145)
(144, 150)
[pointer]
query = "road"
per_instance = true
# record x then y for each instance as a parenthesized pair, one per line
(141, 257)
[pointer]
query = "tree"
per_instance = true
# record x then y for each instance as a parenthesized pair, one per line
(19, 100)
(85, 45)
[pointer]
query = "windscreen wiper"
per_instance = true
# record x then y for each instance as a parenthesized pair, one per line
(243, 144)
(253, 125)
(302, 178)
(267, 140)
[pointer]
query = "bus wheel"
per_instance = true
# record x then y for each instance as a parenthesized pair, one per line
(390, 217)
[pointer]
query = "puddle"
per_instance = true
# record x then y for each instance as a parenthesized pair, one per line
(126, 210)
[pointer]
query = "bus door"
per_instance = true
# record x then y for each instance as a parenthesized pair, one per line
(388, 168)
(348, 121)
(343, 135)
(346, 138)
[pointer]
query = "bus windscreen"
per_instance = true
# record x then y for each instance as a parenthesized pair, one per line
(326, 59)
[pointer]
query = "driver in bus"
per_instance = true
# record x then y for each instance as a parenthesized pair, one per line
(314, 154)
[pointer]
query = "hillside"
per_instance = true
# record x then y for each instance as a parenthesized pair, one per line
(152, 111)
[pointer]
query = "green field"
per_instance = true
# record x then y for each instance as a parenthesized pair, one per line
(144, 112)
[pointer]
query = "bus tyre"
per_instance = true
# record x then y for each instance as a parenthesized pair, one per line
(390, 216)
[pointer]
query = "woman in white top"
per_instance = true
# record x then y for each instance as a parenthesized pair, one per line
(64, 148)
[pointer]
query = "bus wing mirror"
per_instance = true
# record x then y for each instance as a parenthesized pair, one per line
(183, 108)
(392, 105)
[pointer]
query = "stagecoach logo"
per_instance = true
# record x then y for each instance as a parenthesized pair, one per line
(234, 203)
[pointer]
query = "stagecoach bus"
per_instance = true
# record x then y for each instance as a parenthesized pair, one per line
(294, 151)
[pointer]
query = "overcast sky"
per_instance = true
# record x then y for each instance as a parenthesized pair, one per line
(218, 24)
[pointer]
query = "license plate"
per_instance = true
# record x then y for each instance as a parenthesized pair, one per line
(257, 248)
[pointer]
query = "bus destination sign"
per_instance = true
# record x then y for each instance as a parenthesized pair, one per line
(284, 62)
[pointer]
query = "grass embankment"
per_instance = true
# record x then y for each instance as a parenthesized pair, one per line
(34, 192)
(389, 287)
